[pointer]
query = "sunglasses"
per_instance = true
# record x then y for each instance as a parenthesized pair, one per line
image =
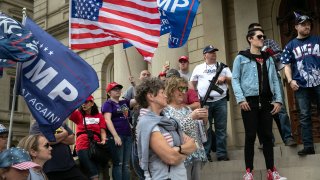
(183, 89)
(261, 36)
(47, 145)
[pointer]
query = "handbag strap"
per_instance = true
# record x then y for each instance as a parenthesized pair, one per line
(85, 127)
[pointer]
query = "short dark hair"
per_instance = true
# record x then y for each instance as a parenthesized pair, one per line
(252, 25)
(149, 85)
(252, 32)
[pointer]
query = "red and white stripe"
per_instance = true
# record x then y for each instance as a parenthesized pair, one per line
(134, 21)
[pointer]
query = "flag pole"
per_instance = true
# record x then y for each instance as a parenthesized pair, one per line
(125, 52)
(15, 87)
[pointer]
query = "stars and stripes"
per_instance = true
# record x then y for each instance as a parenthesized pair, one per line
(98, 23)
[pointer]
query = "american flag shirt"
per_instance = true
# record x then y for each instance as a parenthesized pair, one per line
(304, 57)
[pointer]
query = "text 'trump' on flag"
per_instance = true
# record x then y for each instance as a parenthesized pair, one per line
(98, 23)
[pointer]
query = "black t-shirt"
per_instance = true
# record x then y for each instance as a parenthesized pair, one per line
(62, 159)
(264, 86)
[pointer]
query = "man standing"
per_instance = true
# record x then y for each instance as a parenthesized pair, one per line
(282, 119)
(200, 78)
(184, 67)
(301, 57)
(130, 92)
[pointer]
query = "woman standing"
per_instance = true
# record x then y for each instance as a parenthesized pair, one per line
(191, 123)
(40, 151)
(96, 124)
(162, 147)
(116, 113)
(256, 88)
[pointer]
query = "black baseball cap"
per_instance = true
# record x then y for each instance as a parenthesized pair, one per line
(209, 48)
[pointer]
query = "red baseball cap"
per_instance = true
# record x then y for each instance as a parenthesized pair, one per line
(112, 85)
(162, 74)
(183, 58)
(90, 98)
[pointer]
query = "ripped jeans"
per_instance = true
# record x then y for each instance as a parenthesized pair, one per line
(121, 170)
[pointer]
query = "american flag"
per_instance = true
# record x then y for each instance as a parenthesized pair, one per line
(98, 23)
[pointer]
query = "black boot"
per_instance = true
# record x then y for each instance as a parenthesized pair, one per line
(306, 151)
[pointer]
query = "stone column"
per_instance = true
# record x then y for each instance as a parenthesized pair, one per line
(245, 12)
(164, 53)
(121, 69)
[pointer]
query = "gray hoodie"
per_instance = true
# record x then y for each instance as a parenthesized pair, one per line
(149, 161)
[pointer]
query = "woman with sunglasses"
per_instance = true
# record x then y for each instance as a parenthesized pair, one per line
(116, 113)
(192, 123)
(257, 91)
(96, 124)
(40, 151)
(160, 142)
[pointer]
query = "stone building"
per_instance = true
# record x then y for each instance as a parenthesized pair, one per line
(222, 23)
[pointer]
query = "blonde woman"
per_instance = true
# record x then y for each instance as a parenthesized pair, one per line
(191, 123)
(40, 151)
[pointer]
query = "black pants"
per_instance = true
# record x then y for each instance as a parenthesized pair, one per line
(258, 120)
(72, 174)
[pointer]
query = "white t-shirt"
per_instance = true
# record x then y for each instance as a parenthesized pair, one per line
(186, 76)
(203, 74)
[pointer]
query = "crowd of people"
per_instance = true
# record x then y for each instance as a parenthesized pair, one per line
(177, 120)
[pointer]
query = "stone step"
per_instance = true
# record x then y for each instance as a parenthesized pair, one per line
(292, 173)
(259, 163)
(279, 151)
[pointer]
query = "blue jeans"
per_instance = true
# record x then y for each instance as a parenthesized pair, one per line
(304, 97)
(283, 117)
(121, 170)
(218, 112)
(91, 166)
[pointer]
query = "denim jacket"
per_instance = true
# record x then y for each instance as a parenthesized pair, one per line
(245, 81)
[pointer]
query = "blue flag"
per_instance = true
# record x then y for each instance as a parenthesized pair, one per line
(56, 83)
(16, 42)
(180, 15)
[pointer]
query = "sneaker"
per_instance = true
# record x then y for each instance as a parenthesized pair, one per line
(306, 151)
(274, 175)
(248, 175)
(290, 142)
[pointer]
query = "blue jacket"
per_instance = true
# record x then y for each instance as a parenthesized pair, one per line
(245, 80)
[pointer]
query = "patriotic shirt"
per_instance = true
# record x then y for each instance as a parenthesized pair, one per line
(304, 57)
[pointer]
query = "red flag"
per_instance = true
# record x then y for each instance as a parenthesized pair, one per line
(98, 23)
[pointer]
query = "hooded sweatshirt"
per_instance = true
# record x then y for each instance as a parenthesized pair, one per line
(149, 161)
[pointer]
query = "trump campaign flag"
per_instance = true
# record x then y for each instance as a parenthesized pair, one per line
(16, 42)
(180, 15)
(98, 23)
(56, 83)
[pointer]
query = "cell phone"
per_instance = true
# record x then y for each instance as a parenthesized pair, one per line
(168, 63)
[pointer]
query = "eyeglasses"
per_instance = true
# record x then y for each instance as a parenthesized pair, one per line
(47, 145)
(116, 89)
(183, 89)
(261, 36)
